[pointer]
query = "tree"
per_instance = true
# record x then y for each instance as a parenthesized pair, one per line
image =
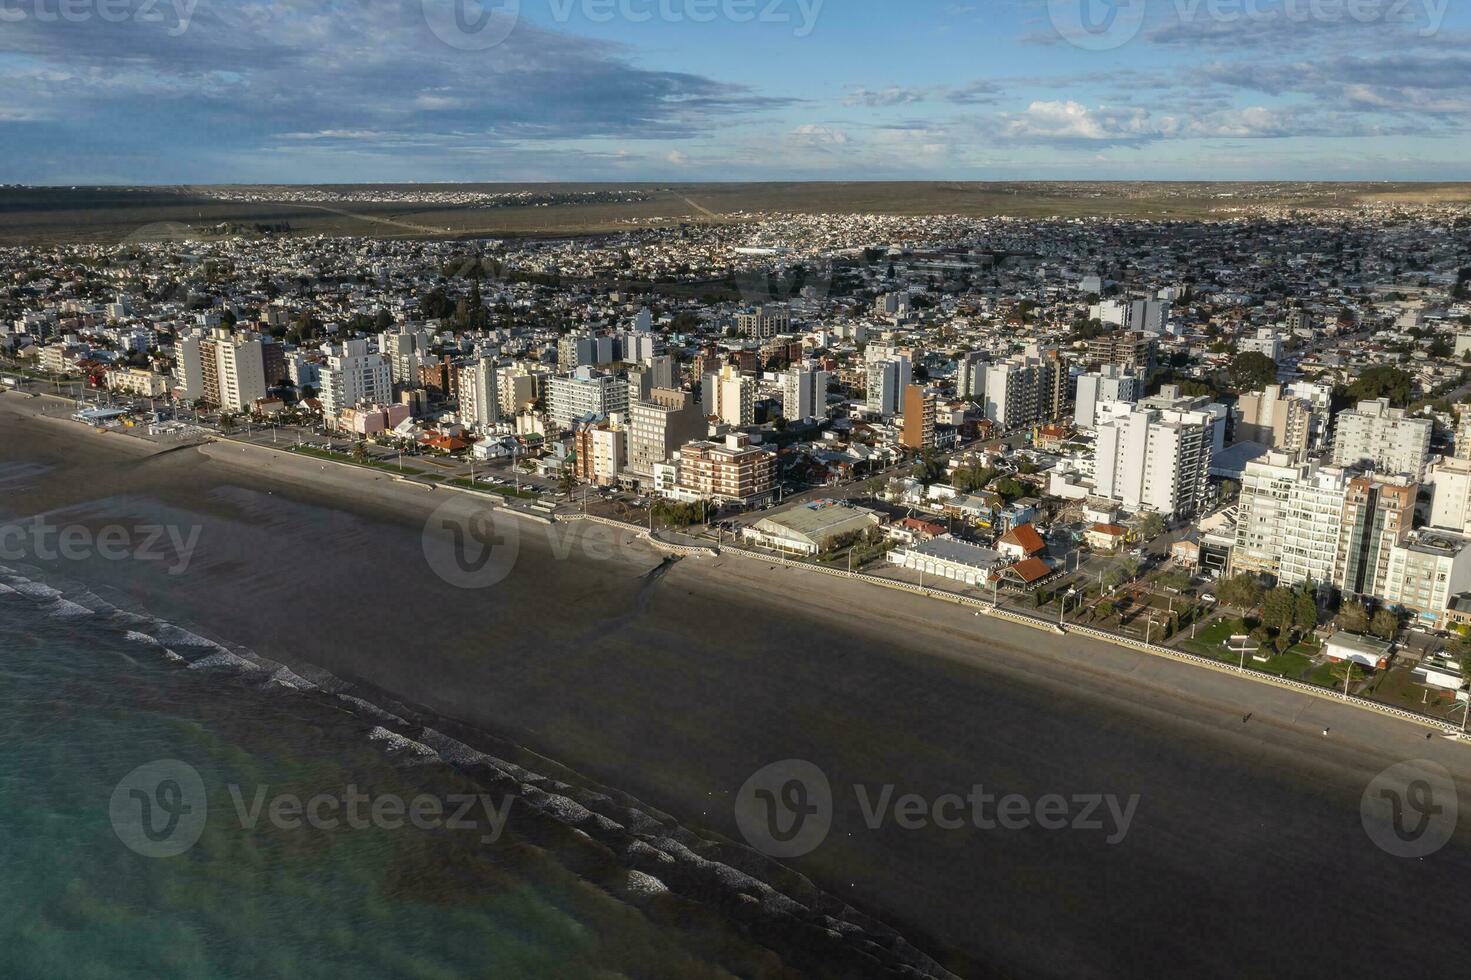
(1240, 591)
(1009, 488)
(1150, 526)
(1305, 617)
(1354, 617)
(1252, 371)
(1278, 609)
(1384, 625)
(567, 481)
(1112, 579)
(1382, 381)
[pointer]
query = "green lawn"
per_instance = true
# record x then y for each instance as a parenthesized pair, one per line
(372, 464)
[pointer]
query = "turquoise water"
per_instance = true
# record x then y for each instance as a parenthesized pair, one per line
(86, 697)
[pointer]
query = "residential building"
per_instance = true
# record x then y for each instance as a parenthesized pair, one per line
(1426, 572)
(763, 322)
(1135, 351)
(732, 472)
(1110, 383)
(804, 393)
(735, 397)
(1386, 438)
(602, 451)
(233, 369)
(584, 393)
(1153, 459)
(354, 377)
(1278, 418)
(970, 375)
(1026, 389)
(658, 426)
(1378, 514)
(480, 403)
(919, 418)
(888, 372)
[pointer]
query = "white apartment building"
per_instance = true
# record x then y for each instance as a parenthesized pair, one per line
(1266, 341)
(1426, 571)
(1290, 519)
(354, 377)
(888, 371)
(970, 375)
(1110, 383)
(480, 404)
(236, 378)
(1026, 389)
(804, 394)
(1383, 437)
(1153, 459)
(735, 397)
(658, 426)
(583, 393)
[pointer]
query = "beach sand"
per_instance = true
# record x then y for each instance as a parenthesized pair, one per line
(1246, 853)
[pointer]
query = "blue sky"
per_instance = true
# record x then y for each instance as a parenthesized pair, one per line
(196, 91)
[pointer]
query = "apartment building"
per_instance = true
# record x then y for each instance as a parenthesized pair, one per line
(1153, 458)
(733, 396)
(970, 375)
(223, 368)
(480, 402)
(804, 393)
(1110, 383)
(1135, 351)
(585, 393)
(658, 426)
(1383, 437)
(1378, 515)
(764, 321)
(920, 404)
(353, 376)
(1426, 571)
(730, 472)
(1026, 389)
(1278, 419)
(601, 451)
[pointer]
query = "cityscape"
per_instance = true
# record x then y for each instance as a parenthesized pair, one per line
(550, 503)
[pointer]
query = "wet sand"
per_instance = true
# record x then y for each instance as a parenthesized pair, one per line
(1246, 854)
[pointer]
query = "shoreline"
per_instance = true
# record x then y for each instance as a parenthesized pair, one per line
(675, 690)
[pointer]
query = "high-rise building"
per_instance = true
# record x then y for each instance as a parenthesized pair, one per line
(970, 374)
(1110, 383)
(1290, 519)
(480, 403)
(731, 472)
(735, 397)
(233, 371)
(354, 377)
(919, 418)
(658, 426)
(804, 393)
(1026, 389)
(584, 393)
(601, 451)
(1153, 459)
(1378, 514)
(1292, 418)
(764, 321)
(1426, 571)
(884, 384)
(1386, 438)
(1130, 350)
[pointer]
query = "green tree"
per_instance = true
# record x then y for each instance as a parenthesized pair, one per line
(1382, 381)
(1252, 371)
(1240, 591)
(1384, 625)
(1305, 617)
(1150, 526)
(1354, 617)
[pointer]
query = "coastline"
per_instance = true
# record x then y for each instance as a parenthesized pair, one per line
(675, 690)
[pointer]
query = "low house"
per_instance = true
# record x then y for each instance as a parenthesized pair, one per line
(912, 530)
(1186, 553)
(1021, 542)
(811, 529)
(1366, 651)
(1029, 573)
(949, 558)
(1105, 537)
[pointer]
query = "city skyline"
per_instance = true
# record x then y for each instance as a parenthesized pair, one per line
(134, 92)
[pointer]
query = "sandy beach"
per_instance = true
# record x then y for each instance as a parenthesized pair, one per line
(675, 684)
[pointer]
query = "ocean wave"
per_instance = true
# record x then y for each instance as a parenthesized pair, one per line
(136, 637)
(642, 884)
(402, 743)
(222, 659)
(35, 590)
(66, 609)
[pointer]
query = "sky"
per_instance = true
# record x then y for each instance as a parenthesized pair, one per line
(222, 91)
